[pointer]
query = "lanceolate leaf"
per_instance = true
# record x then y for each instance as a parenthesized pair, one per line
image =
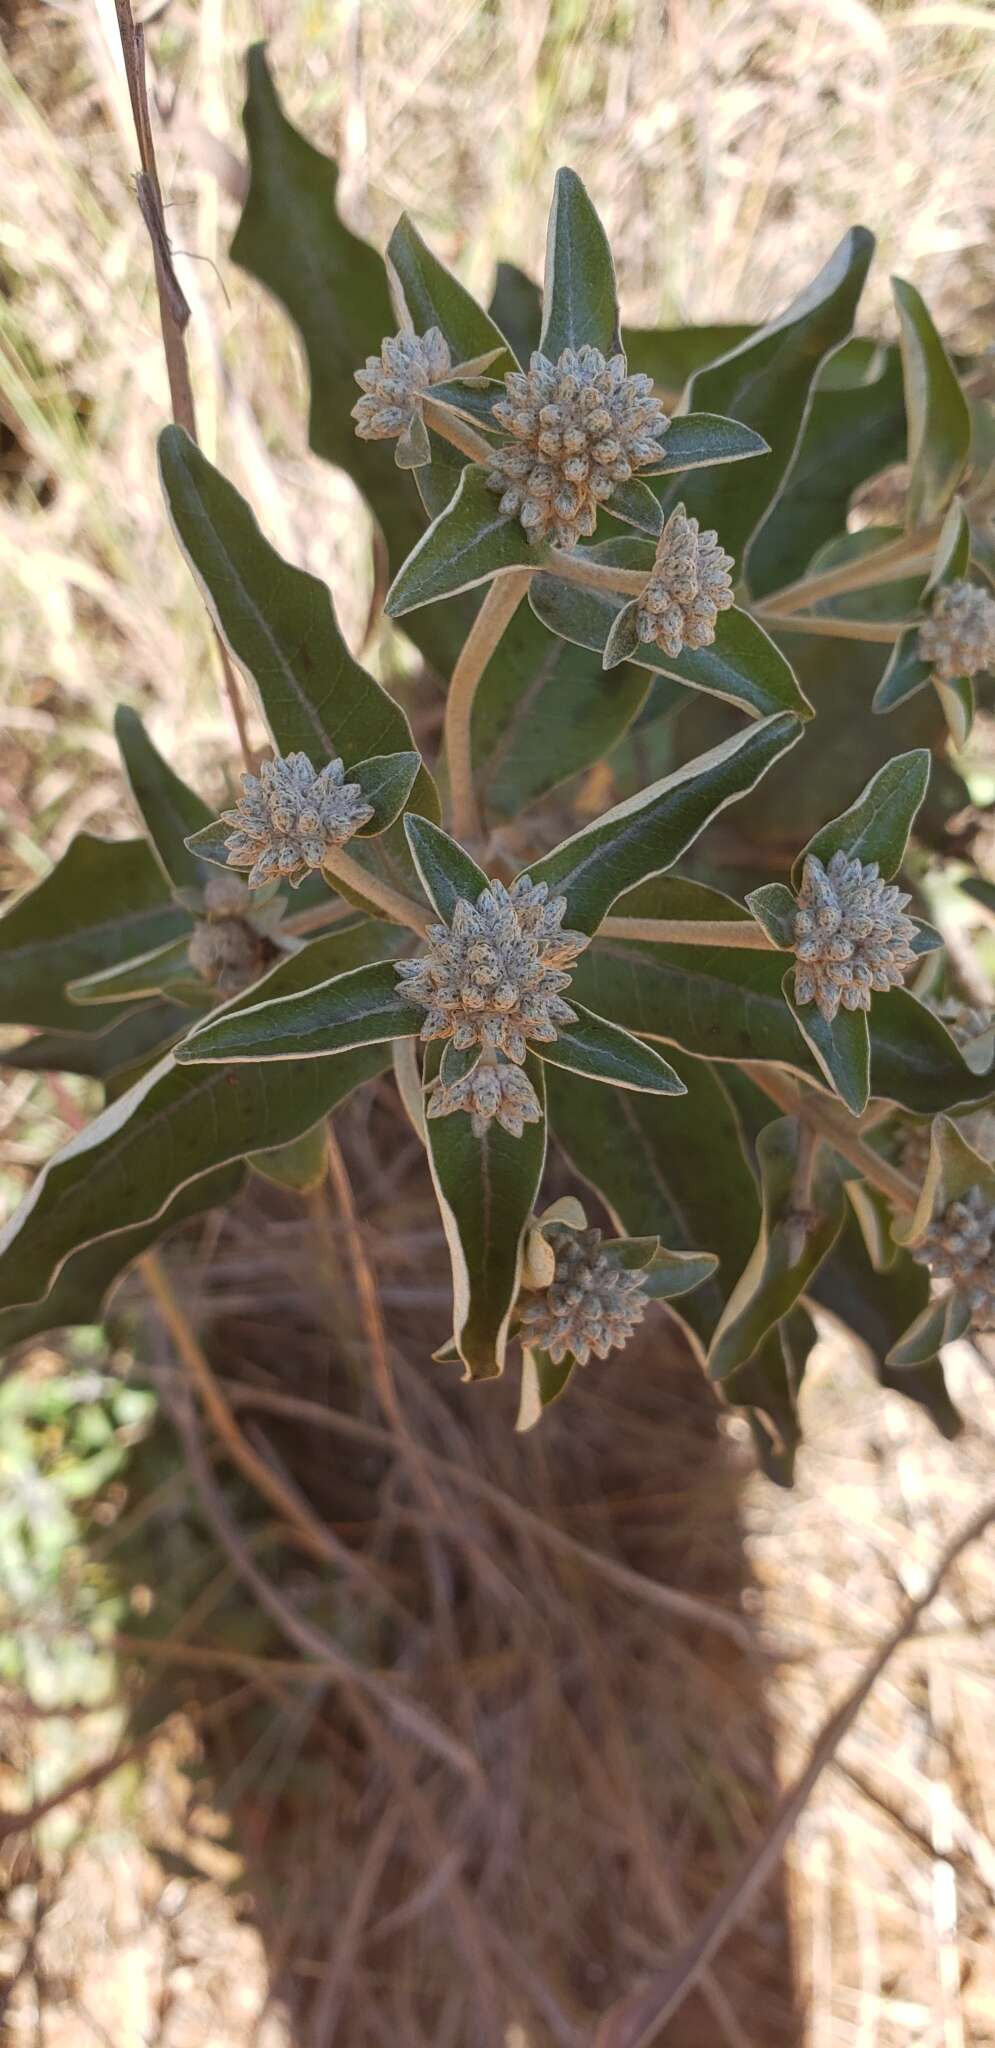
(170, 811)
(876, 1307)
(938, 415)
(940, 1322)
(905, 673)
(671, 355)
(841, 1048)
(386, 781)
(516, 308)
(103, 902)
(165, 971)
(175, 1124)
(775, 908)
(362, 1007)
(117, 1044)
(696, 440)
(766, 384)
(435, 298)
(486, 1189)
(300, 1165)
(602, 1052)
(447, 873)
(651, 831)
(742, 665)
(579, 299)
(786, 1253)
(876, 827)
(80, 1292)
(468, 543)
(767, 1387)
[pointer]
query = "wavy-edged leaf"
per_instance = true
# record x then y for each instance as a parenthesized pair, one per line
(211, 844)
(671, 355)
(941, 1322)
(166, 971)
(767, 1386)
(516, 308)
(435, 298)
(169, 810)
(787, 1252)
(674, 1166)
(364, 1006)
(651, 831)
(579, 296)
(175, 1124)
(600, 1050)
(542, 1383)
(937, 410)
(299, 1166)
(842, 1047)
(446, 871)
(742, 665)
(103, 1053)
(953, 1168)
(468, 543)
(767, 384)
(486, 1189)
(877, 825)
(80, 1292)
(386, 781)
(104, 901)
(698, 440)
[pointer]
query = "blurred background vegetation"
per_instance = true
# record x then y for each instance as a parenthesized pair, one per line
(275, 1862)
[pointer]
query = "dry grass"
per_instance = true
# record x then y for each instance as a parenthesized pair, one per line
(728, 145)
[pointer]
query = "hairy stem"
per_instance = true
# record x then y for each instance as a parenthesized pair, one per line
(885, 630)
(688, 931)
(905, 557)
(399, 909)
(800, 1219)
(596, 575)
(503, 598)
(837, 1127)
(458, 431)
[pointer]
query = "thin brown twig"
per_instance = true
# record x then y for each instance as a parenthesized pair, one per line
(636, 2020)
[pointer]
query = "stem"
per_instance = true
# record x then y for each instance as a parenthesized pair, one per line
(688, 931)
(837, 629)
(838, 1128)
(400, 909)
(503, 598)
(886, 565)
(800, 1219)
(597, 575)
(458, 431)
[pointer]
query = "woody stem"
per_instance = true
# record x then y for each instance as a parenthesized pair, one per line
(341, 867)
(503, 598)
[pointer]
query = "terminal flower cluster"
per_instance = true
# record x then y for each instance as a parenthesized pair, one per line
(851, 934)
(290, 816)
(958, 638)
(960, 1246)
(590, 1305)
(580, 427)
(495, 976)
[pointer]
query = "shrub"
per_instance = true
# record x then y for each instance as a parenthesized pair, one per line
(633, 565)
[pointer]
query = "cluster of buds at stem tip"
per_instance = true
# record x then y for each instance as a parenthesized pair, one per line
(958, 638)
(580, 427)
(290, 817)
(959, 1246)
(851, 935)
(590, 1304)
(689, 585)
(495, 976)
(231, 944)
(493, 1091)
(395, 382)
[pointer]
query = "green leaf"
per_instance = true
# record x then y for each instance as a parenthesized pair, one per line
(952, 559)
(435, 298)
(165, 971)
(649, 832)
(766, 383)
(877, 825)
(954, 1168)
(958, 701)
(905, 673)
(743, 665)
(468, 543)
(364, 1006)
(447, 874)
(767, 1387)
(600, 1050)
(635, 505)
(300, 1166)
(106, 1052)
(697, 440)
(486, 1189)
(277, 621)
(876, 1307)
(174, 1124)
(79, 1294)
(941, 1322)
(938, 415)
(579, 297)
(169, 810)
(334, 288)
(775, 908)
(842, 1048)
(103, 902)
(542, 1384)
(671, 355)
(850, 435)
(211, 844)
(386, 781)
(671, 1165)
(516, 308)
(786, 1253)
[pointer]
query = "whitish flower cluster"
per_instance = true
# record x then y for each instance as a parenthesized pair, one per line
(395, 382)
(492, 1089)
(689, 586)
(289, 817)
(958, 639)
(580, 427)
(228, 948)
(590, 1305)
(851, 935)
(960, 1246)
(495, 976)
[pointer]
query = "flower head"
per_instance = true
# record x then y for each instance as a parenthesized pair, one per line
(289, 816)
(590, 1304)
(579, 427)
(689, 585)
(851, 935)
(229, 948)
(958, 638)
(395, 382)
(495, 976)
(960, 1246)
(491, 1090)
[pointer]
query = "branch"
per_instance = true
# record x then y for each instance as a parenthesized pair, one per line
(504, 595)
(688, 931)
(399, 909)
(454, 429)
(885, 630)
(838, 1127)
(636, 2021)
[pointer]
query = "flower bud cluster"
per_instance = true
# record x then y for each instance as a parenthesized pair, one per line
(495, 976)
(395, 382)
(960, 1246)
(580, 427)
(227, 948)
(492, 1090)
(590, 1305)
(689, 586)
(851, 935)
(958, 638)
(289, 817)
